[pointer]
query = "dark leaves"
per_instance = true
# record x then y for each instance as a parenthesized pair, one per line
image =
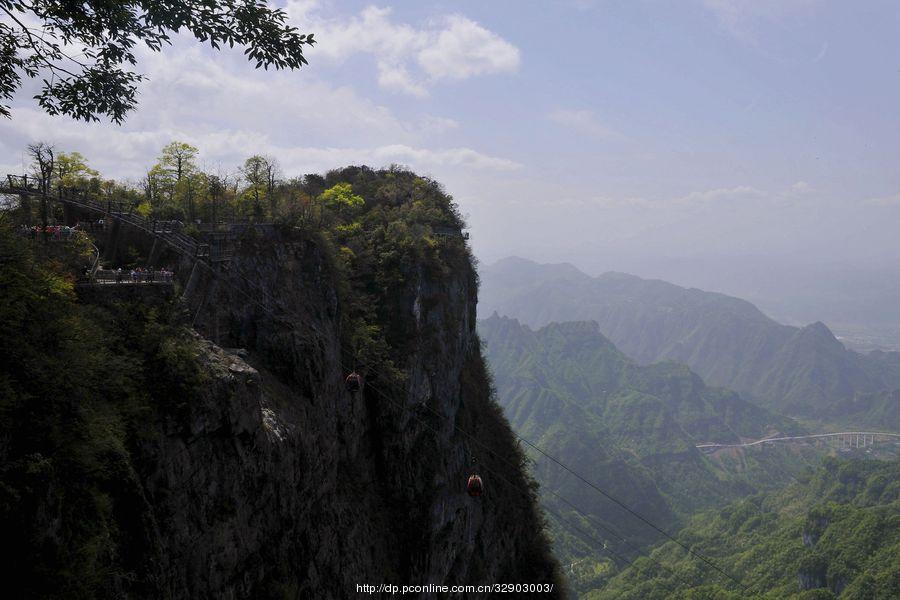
(93, 81)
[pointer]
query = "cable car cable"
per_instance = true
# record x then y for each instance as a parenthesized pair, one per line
(598, 489)
(513, 486)
(580, 512)
(546, 454)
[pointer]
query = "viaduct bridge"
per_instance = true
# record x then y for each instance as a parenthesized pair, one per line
(841, 440)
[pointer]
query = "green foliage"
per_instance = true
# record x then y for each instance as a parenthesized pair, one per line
(378, 227)
(173, 182)
(632, 428)
(341, 198)
(179, 159)
(72, 170)
(143, 209)
(837, 535)
(79, 386)
(99, 82)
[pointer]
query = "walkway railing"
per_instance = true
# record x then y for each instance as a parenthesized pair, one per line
(110, 276)
(163, 230)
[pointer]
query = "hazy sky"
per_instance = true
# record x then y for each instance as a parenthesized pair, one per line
(613, 134)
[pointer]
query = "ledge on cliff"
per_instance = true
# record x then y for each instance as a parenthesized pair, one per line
(140, 459)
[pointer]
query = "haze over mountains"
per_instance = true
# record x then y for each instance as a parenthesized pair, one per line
(597, 371)
(858, 298)
(630, 427)
(800, 371)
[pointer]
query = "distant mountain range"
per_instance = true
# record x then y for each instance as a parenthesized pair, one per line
(804, 372)
(629, 427)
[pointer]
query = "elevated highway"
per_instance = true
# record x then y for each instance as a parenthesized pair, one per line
(842, 439)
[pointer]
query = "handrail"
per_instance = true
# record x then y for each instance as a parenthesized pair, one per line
(95, 264)
(167, 231)
(126, 276)
(179, 241)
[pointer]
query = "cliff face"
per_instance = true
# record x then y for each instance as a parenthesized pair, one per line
(276, 481)
(208, 448)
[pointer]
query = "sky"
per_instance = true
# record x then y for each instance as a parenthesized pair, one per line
(737, 145)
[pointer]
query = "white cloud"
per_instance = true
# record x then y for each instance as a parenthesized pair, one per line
(409, 59)
(584, 121)
(128, 152)
(320, 159)
(801, 187)
(748, 20)
(218, 103)
(435, 125)
(725, 198)
(893, 200)
(190, 84)
(396, 77)
(121, 152)
(626, 202)
(465, 49)
(734, 14)
(718, 195)
(798, 192)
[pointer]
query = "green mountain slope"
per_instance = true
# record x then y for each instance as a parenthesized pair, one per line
(628, 427)
(836, 534)
(805, 372)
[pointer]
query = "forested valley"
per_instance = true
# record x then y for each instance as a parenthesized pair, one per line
(324, 300)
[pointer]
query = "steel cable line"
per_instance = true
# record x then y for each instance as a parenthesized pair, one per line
(563, 499)
(547, 455)
(601, 491)
(513, 486)
(634, 513)
(709, 562)
(589, 518)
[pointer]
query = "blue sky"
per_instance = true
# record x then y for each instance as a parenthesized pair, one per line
(612, 134)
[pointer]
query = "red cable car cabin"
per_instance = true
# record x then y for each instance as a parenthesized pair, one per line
(475, 487)
(353, 382)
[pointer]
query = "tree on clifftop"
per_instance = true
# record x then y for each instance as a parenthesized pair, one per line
(84, 51)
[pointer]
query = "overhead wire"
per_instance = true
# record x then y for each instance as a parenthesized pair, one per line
(693, 553)
(562, 498)
(512, 486)
(643, 519)
(529, 443)
(699, 556)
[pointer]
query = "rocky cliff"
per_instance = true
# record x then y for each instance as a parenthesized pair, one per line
(279, 479)
(235, 464)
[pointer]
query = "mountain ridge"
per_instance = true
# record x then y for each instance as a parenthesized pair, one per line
(632, 428)
(801, 371)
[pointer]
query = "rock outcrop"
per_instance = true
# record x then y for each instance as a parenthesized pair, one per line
(277, 482)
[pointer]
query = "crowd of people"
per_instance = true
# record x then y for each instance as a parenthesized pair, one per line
(118, 275)
(142, 275)
(62, 232)
(54, 232)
